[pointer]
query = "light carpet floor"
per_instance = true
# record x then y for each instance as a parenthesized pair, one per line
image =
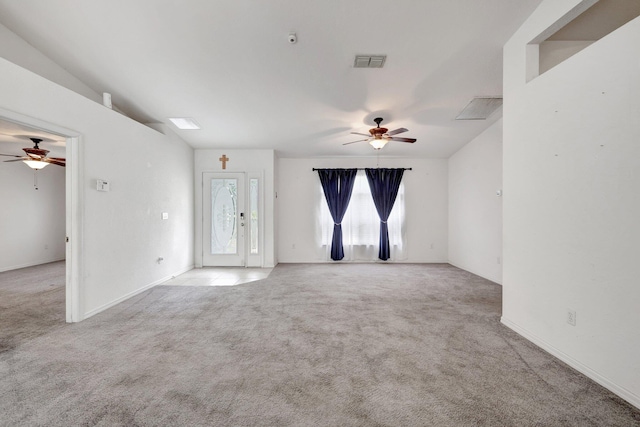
(311, 345)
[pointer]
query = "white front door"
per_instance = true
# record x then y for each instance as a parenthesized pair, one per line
(224, 219)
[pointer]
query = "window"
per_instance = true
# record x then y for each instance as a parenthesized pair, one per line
(361, 225)
(253, 215)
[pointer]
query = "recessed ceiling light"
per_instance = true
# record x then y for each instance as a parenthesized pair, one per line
(184, 123)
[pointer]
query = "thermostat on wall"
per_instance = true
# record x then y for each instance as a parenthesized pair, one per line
(102, 185)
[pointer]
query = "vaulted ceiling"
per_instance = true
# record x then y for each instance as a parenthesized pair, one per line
(229, 65)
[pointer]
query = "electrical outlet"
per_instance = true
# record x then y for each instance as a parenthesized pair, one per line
(571, 317)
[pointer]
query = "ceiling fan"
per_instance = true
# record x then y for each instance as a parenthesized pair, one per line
(380, 136)
(36, 157)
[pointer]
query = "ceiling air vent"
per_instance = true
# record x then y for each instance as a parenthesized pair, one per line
(480, 108)
(369, 61)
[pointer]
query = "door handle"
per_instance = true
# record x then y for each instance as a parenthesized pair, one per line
(241, 219)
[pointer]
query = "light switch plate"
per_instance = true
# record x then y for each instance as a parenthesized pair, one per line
(165, 215)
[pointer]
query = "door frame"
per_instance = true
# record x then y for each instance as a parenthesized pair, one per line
(73, 209)
(256, 261)
(241, 229)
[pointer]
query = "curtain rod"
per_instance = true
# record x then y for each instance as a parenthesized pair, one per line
(361, 169)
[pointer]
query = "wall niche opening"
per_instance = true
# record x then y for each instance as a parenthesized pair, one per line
(588, 22)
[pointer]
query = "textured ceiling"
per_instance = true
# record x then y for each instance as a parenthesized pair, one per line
(229, 65)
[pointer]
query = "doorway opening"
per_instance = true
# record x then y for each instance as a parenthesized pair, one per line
(43, 217)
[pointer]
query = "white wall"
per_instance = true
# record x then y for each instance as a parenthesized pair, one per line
(15, 49)
(571, 204)
(32, 222)
(553, 52)
(150, 173)
(249, 161)
(475, 211)
(425, 208)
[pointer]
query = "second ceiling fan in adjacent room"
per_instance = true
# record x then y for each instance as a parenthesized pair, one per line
(36, 157)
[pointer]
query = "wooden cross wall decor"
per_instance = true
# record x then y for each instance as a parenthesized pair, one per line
(224, 159)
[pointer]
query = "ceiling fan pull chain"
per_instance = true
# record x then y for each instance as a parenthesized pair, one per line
(35, 179)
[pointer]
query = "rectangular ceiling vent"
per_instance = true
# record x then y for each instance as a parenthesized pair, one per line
(480, 108)
(369, 61)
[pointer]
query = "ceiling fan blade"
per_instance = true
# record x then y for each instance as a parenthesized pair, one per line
(10, 155)
(16, 160)
(353, 142)
(358, 133)
(54, 162)
(397, 131)
(403, 139)
(60, 159)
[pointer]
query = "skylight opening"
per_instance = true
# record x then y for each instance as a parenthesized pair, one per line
(184, 123)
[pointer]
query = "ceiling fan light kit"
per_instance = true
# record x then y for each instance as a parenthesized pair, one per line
(35, 164)
(377, 144)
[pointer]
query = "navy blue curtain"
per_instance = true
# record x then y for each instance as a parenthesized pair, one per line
(384, 185)
(337, 185)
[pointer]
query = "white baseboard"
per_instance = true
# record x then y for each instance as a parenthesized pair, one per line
(376, 261)
(177, 273)
(134, 293)
(30, 264)
(575, 364)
